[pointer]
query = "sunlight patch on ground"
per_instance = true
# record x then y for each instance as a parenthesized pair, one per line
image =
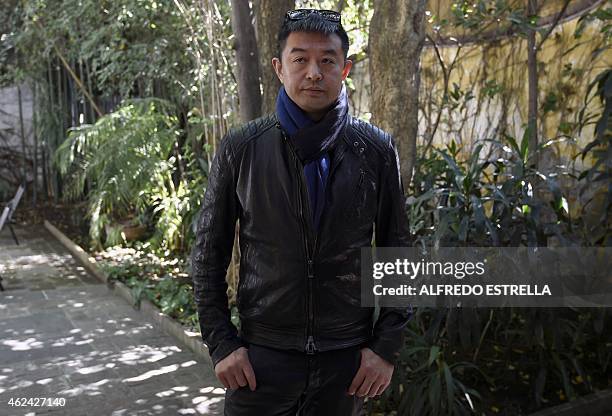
(91, 389)
(44, 381)
(203, 404)
(91, 370)
(21, 384)
(23, 345)
(213, 390)
(153, 373)
(188, 363)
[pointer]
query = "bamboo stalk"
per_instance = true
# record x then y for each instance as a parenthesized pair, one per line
(92, 117)
(199, 63)
(81, 100)
(35, 134)
(59, 130)
(45, 146)
(78, 81)
(22, 133)
(213, 72)
(74, 76)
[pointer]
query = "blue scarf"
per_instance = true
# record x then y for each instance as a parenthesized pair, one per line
(313, 142)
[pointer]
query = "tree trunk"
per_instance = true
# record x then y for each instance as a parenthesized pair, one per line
(532, 74)
(270, 14)
(247, 60)
(397, 35)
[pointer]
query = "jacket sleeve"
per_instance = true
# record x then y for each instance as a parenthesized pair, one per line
(211, 254)
(392, 230)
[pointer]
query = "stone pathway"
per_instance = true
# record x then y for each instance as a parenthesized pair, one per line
(64, 336)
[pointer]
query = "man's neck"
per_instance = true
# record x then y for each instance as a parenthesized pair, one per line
(316, 116)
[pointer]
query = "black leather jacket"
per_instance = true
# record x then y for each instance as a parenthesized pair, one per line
(298, 289)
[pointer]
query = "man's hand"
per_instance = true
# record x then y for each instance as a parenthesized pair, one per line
(235, 370)
(373, 376)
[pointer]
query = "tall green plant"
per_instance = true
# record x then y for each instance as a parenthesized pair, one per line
(490, 202)
(492, 197)
(598, 175)
(126, 161)
(428, 381)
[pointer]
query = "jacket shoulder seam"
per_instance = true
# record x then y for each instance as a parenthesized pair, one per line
(372, 135)
(239, 137)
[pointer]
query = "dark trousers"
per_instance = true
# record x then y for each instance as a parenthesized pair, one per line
(291, 383)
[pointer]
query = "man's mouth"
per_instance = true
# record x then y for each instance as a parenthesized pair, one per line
(314, 91)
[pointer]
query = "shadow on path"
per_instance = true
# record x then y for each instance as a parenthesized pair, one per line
(64, 336)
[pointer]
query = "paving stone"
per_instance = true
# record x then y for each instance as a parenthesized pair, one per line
(12, 299)
(49, 322)
(65, 334)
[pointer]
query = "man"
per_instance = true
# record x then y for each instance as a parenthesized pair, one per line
(309, 184)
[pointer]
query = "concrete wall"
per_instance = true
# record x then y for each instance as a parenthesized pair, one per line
(11, 150)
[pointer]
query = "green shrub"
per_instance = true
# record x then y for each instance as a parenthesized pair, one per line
(125, 163)
(452, 356)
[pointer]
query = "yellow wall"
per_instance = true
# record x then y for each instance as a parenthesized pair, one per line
(506, 62)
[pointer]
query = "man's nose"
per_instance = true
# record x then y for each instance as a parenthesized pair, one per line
(314, 73)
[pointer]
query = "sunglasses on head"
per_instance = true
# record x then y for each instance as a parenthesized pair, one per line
(300, 14)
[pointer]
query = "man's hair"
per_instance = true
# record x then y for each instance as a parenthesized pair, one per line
(312, 23)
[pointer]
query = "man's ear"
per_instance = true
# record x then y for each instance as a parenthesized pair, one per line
(348, 64)
(278, 68)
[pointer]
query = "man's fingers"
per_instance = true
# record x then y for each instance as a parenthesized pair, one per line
(239, 376)
(375, 388)
(223, 380)
(357, 380)
(231, 379)
(365, 386)
(382, 388)
(231, 370)
(247, 369)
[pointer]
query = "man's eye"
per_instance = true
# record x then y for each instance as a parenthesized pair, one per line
(298, 60)
(328, 61)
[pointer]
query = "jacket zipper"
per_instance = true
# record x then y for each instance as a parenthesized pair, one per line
(310, 347)
(356, 193)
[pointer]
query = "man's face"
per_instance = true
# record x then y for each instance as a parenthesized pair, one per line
(312, 68)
